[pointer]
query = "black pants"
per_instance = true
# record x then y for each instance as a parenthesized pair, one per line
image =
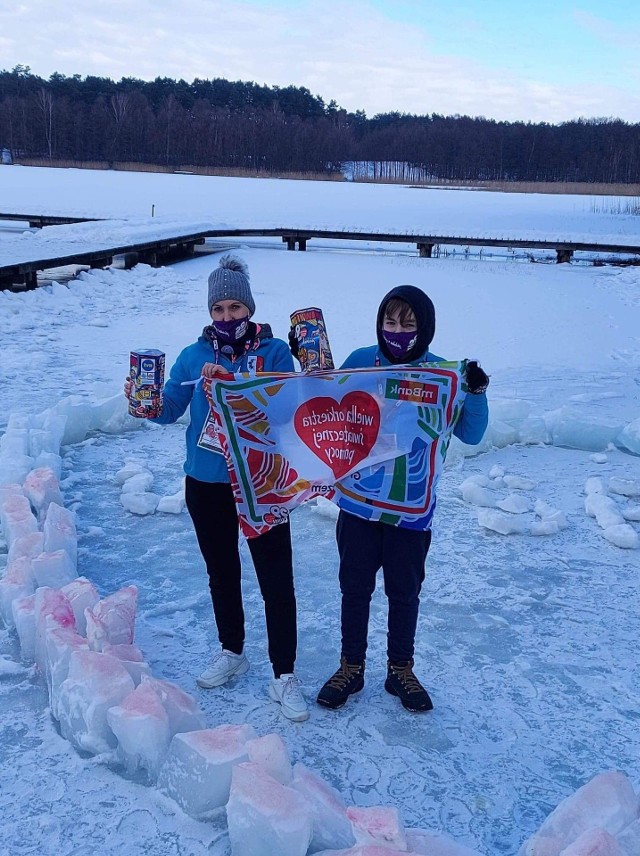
(364, 548)
(213, 511)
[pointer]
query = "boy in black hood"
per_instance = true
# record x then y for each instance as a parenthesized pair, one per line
(405, 326)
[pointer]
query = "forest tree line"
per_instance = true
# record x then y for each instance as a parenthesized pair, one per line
(238, 125)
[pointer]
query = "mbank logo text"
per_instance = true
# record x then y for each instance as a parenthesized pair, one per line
(412, 390)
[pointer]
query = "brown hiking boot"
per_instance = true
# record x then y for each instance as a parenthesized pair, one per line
(348, 680)
(402, 682)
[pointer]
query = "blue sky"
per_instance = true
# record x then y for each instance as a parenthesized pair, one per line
(539, 61)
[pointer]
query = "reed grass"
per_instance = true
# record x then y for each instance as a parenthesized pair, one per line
(183, 169)
(581, 188)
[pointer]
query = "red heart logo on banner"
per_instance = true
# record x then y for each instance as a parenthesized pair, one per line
(341, 433)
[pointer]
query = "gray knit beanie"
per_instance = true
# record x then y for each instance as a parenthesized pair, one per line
(230, 281)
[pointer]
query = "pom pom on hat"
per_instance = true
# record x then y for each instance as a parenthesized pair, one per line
(230, 281)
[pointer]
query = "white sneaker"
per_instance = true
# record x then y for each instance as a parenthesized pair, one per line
(224, 665)
(287, 691)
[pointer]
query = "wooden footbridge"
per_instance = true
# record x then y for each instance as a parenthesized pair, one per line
(37, 221)
(22, 273)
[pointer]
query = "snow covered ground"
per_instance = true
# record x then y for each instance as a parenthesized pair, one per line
(527, 644)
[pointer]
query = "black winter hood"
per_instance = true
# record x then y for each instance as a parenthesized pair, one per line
(425, 313)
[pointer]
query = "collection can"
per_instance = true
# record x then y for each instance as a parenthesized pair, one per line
(146, 372)
(314, 351)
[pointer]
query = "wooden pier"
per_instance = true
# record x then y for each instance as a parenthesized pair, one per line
(298, 239)
(23, 275)
(38, 221)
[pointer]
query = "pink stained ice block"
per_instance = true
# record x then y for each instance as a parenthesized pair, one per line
(59, 531)
(17, 582)
(606, 802)
(51, 460)
(52, 611)
(60, 643)
(265, 817)
(271, 753)
(55, 569)
(141, 726)
(14, 503)
(331, 827)
(197, 770)
(129, 653)
(19, 571)
(95, 683)
(112, 620)
(379, 825)
(595, 842)
(182, 709)
(24, 620)
(82, 595)
(16, 518)
(132, 659)
(7, 490)
(42, 488)
(29, 545)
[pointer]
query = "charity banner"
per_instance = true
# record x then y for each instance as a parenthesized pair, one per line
(371, 440)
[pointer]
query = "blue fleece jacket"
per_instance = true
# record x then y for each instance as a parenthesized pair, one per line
(474, 418)
(203, 464)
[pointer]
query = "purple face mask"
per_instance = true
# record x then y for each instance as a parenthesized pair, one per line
(231, 331)
(399, 344)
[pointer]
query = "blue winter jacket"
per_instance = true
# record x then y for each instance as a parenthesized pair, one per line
(474, 418)
(204, 464)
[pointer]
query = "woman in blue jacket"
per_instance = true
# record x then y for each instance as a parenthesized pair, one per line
(233, 343)
(405, 327)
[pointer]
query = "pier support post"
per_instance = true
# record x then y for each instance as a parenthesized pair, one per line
(30, 280)
(563, 256)
(129, 260)
(101, 263)
(425, 250)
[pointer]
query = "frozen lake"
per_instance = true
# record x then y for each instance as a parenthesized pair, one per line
(527, 645)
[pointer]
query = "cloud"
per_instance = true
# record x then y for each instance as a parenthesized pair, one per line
(352, 53)
(619, 36)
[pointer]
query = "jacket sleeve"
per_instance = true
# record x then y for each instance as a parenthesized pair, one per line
(351, 362)
(175, 397)
(473, 420)
(281, 359)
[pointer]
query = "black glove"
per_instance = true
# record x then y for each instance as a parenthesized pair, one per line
(293, 343)
(477, 379)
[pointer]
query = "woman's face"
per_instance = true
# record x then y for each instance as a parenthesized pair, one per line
(393, 324)
(229, 310)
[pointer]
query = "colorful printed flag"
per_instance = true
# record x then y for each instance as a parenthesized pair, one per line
(371, 440)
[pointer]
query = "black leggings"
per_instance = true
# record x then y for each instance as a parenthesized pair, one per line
(213, 511)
